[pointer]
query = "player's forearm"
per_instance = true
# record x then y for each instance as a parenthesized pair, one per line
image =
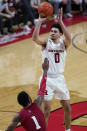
(66, 32)
(11, 127)
(36, 31)
(45, 72)
(39, 100)
(42, 90)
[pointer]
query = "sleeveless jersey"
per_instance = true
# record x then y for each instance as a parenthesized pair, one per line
(32, 118)
(56, 55)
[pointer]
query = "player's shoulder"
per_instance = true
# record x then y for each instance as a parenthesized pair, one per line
(22, 110)
(30, 107)
(33, 105)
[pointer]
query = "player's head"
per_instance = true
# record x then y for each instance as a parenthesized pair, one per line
(56, 31)
(24, 99)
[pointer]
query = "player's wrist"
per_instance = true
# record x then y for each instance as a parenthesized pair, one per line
(45, 72)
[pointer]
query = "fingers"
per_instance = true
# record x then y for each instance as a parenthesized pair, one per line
(61, 11)
(47, 18)
(43, 19)
(60, 14)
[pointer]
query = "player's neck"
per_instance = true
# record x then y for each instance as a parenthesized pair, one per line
(56, 41)
(27, 105)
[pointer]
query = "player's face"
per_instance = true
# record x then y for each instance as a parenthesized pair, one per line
(54, 33)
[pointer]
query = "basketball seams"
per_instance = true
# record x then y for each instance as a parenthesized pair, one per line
(45, 8)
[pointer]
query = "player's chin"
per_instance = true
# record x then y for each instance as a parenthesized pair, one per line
(52, 38)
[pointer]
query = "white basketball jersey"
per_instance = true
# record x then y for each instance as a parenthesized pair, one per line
(56, 55)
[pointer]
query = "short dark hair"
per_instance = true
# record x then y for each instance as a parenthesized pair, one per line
(58, 27)
(23, 98)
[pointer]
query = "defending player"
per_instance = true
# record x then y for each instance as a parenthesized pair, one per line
(54, 49)
(31, 116)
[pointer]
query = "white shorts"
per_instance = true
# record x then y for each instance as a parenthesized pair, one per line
(56, 87)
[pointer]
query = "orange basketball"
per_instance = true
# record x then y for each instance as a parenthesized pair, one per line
(45, 9)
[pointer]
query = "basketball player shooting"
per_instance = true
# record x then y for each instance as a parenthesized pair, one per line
(54, 49)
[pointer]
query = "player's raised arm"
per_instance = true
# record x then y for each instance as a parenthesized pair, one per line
(36, 36)
(14, 123)
(42, 90)
(65, 31)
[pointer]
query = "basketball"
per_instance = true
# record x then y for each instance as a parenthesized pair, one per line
(45, 9)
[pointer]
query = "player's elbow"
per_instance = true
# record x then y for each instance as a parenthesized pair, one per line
(70, 39)
(34, 38)
(68, 43)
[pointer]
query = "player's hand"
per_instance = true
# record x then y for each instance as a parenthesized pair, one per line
(43, 19)
(60, 15)
(45, 65)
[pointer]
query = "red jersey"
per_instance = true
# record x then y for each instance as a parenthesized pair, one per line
(33, 118)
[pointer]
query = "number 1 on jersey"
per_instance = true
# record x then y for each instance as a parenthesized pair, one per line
(36, 122)
(57, 58)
